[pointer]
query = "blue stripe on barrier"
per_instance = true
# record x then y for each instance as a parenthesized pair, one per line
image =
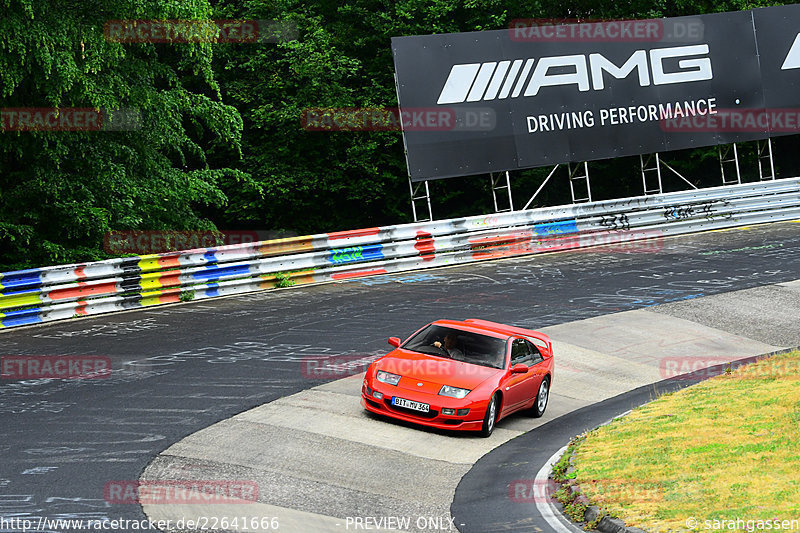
(210, 272)
(353, 254)
(30, 278)
(556, 228)
(22, 317)
(212, 289)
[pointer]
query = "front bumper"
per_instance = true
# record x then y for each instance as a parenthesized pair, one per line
(472, 421)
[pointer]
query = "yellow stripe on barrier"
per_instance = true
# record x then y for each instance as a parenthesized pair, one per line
(155, 262)
(301, 277)
(9, 301)
(158, 280)
(149, 263)
(285, 246)
(160, 297)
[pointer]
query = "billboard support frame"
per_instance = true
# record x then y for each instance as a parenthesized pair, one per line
(573, 177)
(681, 176)
(761, 147)
(643, 164)
(416, 195)
(552, 172)
(493, 183)
(724, 157)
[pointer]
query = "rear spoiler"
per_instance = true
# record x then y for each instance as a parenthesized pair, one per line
(534, 336)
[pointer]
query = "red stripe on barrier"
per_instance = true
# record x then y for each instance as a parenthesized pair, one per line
(167, 262)
(170, 279)
(346, 275)
(353, 233)
(83, 289)
(424, 246)
(79, 272)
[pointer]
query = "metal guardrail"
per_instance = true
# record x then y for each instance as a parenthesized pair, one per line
(59, 292)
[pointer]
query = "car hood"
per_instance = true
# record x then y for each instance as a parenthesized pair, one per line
(433, 371)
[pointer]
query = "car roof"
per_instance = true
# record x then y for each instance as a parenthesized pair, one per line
(484, 327)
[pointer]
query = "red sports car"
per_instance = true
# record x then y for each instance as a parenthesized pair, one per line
(461, 375)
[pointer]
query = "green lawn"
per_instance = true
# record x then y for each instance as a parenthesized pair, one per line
(724, 449)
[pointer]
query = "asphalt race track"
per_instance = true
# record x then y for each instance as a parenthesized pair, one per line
(182, 368)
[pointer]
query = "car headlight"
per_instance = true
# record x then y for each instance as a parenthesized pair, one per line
(386, 377)
(453, 392)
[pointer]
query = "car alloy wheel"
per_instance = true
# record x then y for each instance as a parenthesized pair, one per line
(541, 398)
(490, 418)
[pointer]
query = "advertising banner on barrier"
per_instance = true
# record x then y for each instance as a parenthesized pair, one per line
(588, 91)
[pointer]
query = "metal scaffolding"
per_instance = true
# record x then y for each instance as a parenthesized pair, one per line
(764, 153)
(494, 183)
(652, 163)
(651, 166)
(576, 177)
(725, 158)
(420, 192)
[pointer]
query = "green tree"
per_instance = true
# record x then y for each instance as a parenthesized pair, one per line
(62, 191)
(311, 181)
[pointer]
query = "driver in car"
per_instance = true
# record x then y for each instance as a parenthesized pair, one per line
(450, 347)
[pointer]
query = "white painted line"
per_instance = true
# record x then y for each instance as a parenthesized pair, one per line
(543, 501)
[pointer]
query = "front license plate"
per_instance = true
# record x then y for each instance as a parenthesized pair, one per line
(410, 404)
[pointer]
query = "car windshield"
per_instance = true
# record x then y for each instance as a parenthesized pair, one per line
(465, 346)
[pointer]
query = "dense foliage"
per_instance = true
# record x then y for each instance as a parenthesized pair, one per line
(220, 142)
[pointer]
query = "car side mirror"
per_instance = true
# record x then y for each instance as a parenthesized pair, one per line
(394, 341)
(519, 368)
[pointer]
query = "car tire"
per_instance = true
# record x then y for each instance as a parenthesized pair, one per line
(542, 397)
(490, 418)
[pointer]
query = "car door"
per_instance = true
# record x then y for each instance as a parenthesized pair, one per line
(538, 368)
(517, 386)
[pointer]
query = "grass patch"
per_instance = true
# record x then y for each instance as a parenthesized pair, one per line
(187, 296)
(726, 448)
(283, 279)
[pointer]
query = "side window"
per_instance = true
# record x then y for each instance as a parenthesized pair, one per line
(520, 353)
(536, 354)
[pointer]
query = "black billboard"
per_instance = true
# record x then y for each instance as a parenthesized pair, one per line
(537, 94)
